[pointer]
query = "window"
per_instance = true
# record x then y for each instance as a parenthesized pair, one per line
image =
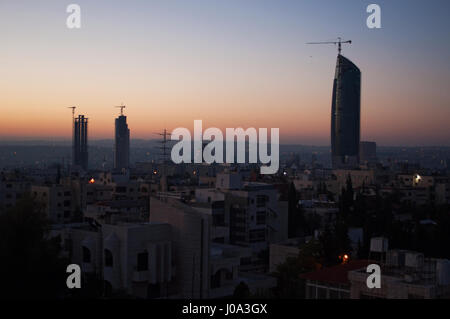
(229, 275)
(260, 201)
(261, 217)
(86, 255)
(258, 235)
(142, 261)
(121, 189)
(108, 258)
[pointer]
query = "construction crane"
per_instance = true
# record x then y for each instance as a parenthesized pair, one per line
(339, 42)
(121, 108)
(73, 126)
(73, 110)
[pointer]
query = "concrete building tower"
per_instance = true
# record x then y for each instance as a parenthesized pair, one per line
(80, 142)
(122, 144)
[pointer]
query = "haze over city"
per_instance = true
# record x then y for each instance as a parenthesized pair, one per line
(224, 158)
(230, 64)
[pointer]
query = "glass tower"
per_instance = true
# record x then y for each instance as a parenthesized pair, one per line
(345, 114)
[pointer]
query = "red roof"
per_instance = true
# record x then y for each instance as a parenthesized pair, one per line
(336, 274)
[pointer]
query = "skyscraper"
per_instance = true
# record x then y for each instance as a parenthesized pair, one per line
(122, 144)
(80, 147)
(345, 114)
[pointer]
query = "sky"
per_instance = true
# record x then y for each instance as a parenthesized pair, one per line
(229, 63)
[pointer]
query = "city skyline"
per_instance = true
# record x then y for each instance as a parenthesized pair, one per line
(224, 157)
(229, 64)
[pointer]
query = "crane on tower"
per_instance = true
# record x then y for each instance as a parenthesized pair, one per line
(121, 108)
(73, 110)
(339, 42)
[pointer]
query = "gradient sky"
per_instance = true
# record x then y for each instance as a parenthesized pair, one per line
(230, 63)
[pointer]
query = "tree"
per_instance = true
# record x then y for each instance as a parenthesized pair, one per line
(289, 283)
(295, 215)
(30, 265)
(241, 291)
(346, 202)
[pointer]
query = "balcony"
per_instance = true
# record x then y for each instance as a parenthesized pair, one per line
(141, 276)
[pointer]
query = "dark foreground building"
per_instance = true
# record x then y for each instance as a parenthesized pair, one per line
(345, 114)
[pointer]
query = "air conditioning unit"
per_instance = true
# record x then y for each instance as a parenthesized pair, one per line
(414, 260)
(395, 258)
(379, 244)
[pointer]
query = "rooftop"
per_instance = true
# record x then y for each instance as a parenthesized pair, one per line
(336, 274)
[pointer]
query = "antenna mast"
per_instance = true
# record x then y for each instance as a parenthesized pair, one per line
(165, 139)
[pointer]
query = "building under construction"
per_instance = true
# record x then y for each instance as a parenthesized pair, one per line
(80, 142)
(345, 110)
(345, 114)
(122, 143)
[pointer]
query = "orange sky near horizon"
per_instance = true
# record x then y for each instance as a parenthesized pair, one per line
(254, 72)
